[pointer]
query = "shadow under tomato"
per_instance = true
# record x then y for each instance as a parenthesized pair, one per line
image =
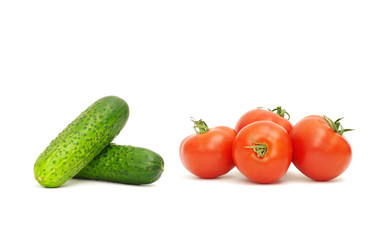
(297, 177)
(193, 177)
(234, 176)
(290, 177)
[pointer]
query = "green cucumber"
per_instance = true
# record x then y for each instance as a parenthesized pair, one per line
(81, 141)
(124, 164)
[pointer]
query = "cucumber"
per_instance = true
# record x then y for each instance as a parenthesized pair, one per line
(81, 141)
(124, 164)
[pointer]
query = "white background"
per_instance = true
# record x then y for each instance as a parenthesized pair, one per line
(172, 60)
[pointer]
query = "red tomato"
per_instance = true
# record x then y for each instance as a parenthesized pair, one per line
(262, 151)
(260, 114)
(320, 150)
(208, 153)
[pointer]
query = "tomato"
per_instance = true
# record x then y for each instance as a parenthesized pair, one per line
(260, 114)
(262, 151)
(321, 152)
(208, 153)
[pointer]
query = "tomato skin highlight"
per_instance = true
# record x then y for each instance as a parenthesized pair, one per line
(319, 153)
(259, 114)
(276, 161)
(209, 155)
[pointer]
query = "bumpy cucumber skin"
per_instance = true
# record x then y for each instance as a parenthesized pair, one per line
(124, 164)
(81, 141)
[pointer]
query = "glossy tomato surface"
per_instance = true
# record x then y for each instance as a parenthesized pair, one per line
(209, 154)
(319, 152)
(277, 157)
(259, 114)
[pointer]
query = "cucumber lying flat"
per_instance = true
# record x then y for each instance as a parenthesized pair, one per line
(81, 141)
(124, 164)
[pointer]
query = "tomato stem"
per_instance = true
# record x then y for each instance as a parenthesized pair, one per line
(260, 148)
(200, 126)
(336, 126)
(281, 112)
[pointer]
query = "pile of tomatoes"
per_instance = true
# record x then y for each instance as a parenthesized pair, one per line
(263, 145)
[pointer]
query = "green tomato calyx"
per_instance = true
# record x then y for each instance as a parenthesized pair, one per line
(260, 148)
(200, 126)
(336, 126)
(280, 111)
